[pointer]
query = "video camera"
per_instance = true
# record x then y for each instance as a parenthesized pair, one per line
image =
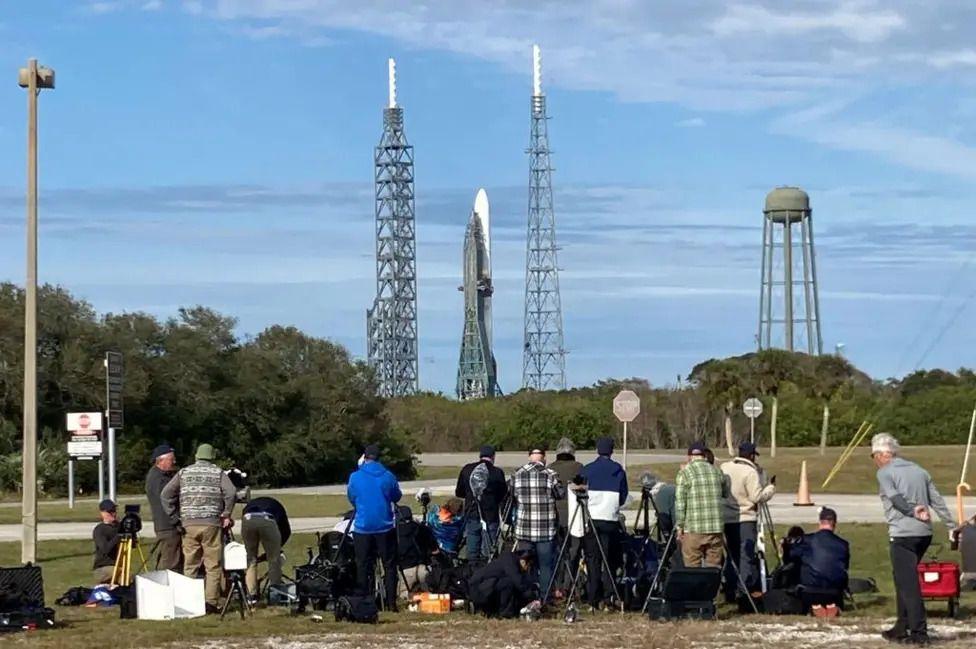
(423, 497)
(131, 524)
(239, 480)
(648, 481)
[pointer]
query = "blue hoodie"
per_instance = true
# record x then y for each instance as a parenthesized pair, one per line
(607, 482)
(373, 490)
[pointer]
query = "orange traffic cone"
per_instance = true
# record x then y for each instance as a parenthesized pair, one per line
(803, 493)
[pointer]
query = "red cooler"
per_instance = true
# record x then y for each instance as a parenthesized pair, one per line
(939, 580)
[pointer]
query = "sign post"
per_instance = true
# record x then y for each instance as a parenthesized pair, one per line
(85, 443)
(753, 407)
(626, 407)
(113, 410)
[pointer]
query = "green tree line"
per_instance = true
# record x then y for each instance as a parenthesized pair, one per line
(288, 408)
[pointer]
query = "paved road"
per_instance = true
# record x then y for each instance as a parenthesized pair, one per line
(850, 509)
(513, 460)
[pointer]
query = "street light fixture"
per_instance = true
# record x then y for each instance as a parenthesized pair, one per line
(34, 78)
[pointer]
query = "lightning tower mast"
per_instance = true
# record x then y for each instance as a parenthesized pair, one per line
(391, 323)
(543, 361)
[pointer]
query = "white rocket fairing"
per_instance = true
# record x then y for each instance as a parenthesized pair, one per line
(476, 369)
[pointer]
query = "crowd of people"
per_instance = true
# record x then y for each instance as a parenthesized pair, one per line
(559, 516)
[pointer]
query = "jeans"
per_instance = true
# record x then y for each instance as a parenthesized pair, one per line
(741, 539)
(545, 558)
(369, 548)
(906, 552)
(474, 537)
(599, 585)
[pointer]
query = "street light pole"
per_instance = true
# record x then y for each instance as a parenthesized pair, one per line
(34, 78)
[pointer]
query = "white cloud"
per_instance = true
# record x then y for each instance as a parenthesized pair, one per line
(152, 5)
(861, 24)
(691, 122)
(966, 57)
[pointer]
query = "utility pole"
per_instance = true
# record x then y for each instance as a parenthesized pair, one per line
(34, 78)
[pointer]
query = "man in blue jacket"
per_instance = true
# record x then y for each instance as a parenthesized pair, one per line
(824, 560)
(607, 487)
(373, 492)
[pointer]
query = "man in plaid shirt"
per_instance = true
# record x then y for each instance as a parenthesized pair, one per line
(535, 490)
(700, 491)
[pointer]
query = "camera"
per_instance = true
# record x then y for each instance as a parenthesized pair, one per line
(130, 524)
(239, 479)
(423, 497)
(648, 481)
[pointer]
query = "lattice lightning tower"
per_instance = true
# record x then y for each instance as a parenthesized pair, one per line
(391, 324)
(544, 361)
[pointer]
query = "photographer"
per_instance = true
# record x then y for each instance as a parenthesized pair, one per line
(824, 559)
(106, 538)
(201, 497)
(535, 490)
(487, 506)
(264, 524)
(373, 491)
(746, 494)
(607, 490)
(503, 587)
(567, 468)
(700, 490)
(168, 538)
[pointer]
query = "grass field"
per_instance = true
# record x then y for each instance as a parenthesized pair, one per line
(67, 563)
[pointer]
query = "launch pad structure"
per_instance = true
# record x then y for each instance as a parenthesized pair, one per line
(391, 323)
(544, 356)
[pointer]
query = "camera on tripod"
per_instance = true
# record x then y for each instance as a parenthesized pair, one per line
(648, 481)
(580, 488)
(131, 524)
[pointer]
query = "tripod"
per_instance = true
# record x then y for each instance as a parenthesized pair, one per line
(666, 557)
(644, 512)
(238, 592)
(122, 571)
(582, 510)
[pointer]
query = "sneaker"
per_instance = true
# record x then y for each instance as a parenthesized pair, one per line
(894, 634)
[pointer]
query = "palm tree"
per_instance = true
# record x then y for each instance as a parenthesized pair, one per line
(829, 373)
(772, 367)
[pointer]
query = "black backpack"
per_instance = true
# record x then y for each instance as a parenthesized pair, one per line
(361, 610)
(77, 596)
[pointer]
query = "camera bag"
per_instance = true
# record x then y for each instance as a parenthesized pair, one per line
(354, 608)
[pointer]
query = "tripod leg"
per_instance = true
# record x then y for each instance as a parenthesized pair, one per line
(738, 576)
(142, 557)
(562, 553)
(662, 562)
(603, 555)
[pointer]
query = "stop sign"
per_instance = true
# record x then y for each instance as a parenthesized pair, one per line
(626, 406)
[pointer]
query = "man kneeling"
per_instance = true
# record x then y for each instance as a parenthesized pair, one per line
(824, 560)
(504, 586)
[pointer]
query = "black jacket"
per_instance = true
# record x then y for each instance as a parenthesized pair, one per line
(155, 481)
(274, 508)
(567, 468)
(824, 560)
(491, 500)
(504, 568)
(106, 538)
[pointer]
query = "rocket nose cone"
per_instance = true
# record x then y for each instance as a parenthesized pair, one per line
(481, 203)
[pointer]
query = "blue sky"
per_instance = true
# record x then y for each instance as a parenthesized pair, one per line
(220, 153)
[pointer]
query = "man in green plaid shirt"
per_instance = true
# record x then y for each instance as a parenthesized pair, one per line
(700, 492)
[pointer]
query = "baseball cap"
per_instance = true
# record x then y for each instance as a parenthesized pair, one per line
(538, 448)
(604, 446)
(697, 448)
(107, 505)
(748, 448)
(161, 450)
(487, 451)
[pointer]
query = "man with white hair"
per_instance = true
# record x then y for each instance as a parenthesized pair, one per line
(907, 494)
